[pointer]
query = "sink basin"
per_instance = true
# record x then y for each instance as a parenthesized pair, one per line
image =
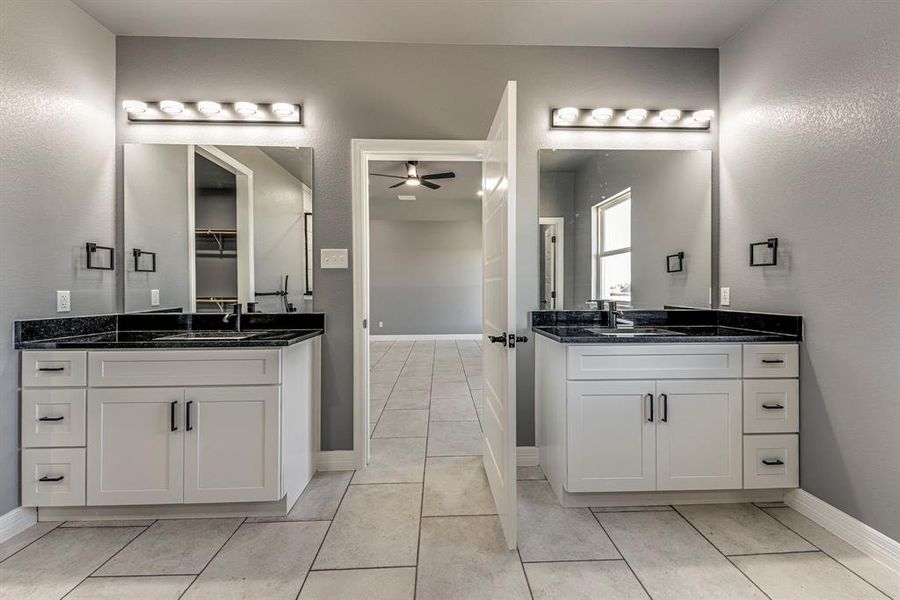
(629, 332)
(205, 336)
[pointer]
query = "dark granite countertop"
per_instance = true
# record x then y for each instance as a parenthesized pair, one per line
(700, 334)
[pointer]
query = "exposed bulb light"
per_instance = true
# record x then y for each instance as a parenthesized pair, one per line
(569, 113)
(134, 107)
(635, 114)
(245, 108)
(283, 109)
(703, 116)
(171, 107)
(413, 182)
(208, 107)
(602, 114)
(669, 115)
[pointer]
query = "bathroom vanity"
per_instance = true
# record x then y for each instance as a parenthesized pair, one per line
(159, 415)
(682, 401)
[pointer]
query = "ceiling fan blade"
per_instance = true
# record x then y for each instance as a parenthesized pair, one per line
(396, 185)
(382, 175)
(448, 175)
(429, 185)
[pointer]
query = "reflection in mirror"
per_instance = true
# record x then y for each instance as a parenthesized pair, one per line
(209, 226)
(632, 226)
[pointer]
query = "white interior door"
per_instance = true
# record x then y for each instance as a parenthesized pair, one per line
(499, 312)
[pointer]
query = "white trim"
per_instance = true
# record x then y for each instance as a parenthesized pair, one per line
(867, 540)
(363, 151)
(425, 337)
(16, 521)
(527, 456)
(560, 223)
(583, 499)
(275, 508)
(336, 460)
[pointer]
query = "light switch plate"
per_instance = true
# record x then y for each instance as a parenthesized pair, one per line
(63, 301)
(724, 296)
(334, 258)
(154, 297)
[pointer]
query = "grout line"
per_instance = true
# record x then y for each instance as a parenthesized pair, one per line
(32, 541)
(779, 553)
(424, 469)
(616, 546)
(573, 560)
(361, 569)
(112, 556)
(459, 516)
(236, 529)
(525, 573)
(324, 537)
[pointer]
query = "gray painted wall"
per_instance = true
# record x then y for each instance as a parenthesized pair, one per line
(348, 91)
(57, 135)
(810, 146)
(425, 277)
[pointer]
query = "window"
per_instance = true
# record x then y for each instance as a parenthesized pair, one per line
(612, 248)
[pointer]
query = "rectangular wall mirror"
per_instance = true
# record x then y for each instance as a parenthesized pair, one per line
(632, 226)
(209, 226)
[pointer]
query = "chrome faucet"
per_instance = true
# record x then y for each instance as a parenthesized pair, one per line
(236, 313)
(613, 314)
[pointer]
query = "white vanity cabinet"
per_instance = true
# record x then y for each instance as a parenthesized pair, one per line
(666, 417)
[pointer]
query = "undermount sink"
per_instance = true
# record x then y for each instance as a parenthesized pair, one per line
(205, 336)
(629, 332)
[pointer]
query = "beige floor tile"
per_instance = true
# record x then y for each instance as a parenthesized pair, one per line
(742, 529)
(319, 501)
(172, 547)
(110, 523)
(476, 382)
(449, 375)
(56, 563)
(375, 408)
(402, 424)
(805, 576)
(455, 438)
(360, 584)
(672, 560)
(380, 391)
(376, 526)
(529, 473)
(418, 382)
(466, 557)
(457, 486)
(162, 587)
(22, 539)
(614, 509)
(609, 579)
(451, 389)
(548, 531)
(261, 560)
(384, 377)
(453, 409)
(869, 569)
(394, 460)
(408, 399)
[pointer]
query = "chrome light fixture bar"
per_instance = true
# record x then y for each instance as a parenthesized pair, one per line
(207, 111)
(630, 118)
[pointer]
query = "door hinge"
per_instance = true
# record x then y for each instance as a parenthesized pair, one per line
(365, 323)
(553, 239)
(553, 294)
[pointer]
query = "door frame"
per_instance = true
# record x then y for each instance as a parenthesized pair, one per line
(560, 223)
(363, 152)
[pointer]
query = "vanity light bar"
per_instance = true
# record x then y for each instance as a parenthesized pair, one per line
(569, 117)
(207, 111)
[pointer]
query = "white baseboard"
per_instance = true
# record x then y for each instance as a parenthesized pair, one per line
(527, 456)
(856, 533)
(16, 521)
(585, 499)
(432, 336)
(336, 460)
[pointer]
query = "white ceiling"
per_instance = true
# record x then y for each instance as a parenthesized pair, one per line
(654, 23)
(457, 200)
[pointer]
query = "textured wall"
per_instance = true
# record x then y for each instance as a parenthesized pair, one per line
(810, 144)
(57, 173)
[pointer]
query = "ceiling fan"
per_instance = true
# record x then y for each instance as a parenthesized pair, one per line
(413, 177)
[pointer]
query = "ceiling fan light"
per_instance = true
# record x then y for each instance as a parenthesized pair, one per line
(413, 182)
(568, 113)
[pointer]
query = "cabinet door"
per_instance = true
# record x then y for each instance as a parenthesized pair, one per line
(698, 437)
(231, 444)
(611, 436)
(135, 446)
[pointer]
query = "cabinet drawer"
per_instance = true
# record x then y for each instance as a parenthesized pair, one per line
(184, 367)
(771, 461)
(53, 477)
(53, 418)
(654, 361)
(771, 360)
(53, 369)
(771, 406)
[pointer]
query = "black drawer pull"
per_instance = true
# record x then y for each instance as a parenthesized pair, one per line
(773, 406)
(187, 416)
(51, 418)
(773, 361)
(47, 478)
(54, 369)
(772, 463)
(172, 425)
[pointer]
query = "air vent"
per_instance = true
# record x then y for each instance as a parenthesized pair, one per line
(407, 197)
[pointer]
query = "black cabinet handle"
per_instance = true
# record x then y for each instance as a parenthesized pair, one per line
(772, 463)
(773, 406)
(773, 361)
(46, 478)
(172, 423)
(664, 398)
(51, 418)
(650, 396)
(52, 369)
(187, 416)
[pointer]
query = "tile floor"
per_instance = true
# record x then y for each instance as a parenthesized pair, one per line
(420, 523)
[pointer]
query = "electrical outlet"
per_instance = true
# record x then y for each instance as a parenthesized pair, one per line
(63, 301)
(724, 296)
(380, 324)
(154, 297)
(334, 258)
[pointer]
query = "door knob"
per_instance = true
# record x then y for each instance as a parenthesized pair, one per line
(498, 339)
